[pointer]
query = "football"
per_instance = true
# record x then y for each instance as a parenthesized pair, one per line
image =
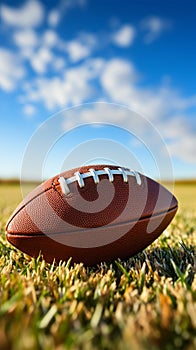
(93, 214)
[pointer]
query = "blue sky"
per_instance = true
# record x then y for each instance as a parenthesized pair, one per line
(55, 55)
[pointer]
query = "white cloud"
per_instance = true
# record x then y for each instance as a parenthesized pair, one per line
(154, 26)
(26, 38)
(161, 105)
(80, 47)
(124, 36)
(29, 110)
(39, 50)
(68, 4)
(11, 70)
(179, 131)
(119, 81)
(41, 59)
(118, 78)
(50, 38)
(56, 14)
(44, 59)
(28, 15)
(58, 63)
(73, 87)
(54, 18)
(88, 38)
(77, 50)
(184, 148)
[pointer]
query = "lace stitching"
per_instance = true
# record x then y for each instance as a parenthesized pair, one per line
(79, 177)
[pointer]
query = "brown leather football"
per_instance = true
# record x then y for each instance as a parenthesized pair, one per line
(92, 214)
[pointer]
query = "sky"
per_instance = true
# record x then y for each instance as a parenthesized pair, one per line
(85, 81)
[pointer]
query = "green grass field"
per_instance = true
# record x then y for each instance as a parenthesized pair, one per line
(147, 302)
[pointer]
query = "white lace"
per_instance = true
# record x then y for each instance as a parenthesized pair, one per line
(79, 177)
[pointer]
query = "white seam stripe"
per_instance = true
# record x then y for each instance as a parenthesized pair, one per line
(64, 186)
(79, 177)
(109, 173)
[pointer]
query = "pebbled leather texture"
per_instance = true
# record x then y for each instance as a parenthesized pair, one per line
(87, 223)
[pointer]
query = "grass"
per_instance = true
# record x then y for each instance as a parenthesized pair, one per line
(147, 302)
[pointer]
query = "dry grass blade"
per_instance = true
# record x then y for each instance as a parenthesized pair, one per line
(147, 302)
